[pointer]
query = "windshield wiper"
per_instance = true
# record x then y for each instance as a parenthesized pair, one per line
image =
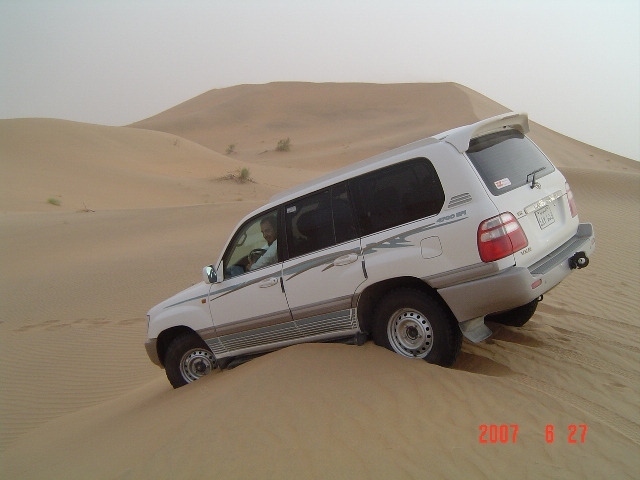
(533, 180)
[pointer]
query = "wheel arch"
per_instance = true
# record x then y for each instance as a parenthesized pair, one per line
(373, 294)
(169, 335)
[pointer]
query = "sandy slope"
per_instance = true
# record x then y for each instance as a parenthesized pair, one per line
(331, 125)
(79, 398)
(104, 168)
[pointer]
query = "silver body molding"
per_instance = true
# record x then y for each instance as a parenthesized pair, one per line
(320, 308)
(312, 329)
(239, 326)
(513, 287)
(461, 275)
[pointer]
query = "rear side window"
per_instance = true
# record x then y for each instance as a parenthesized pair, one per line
(309, 225)
(320, 220)
(344, 220)
(507, 160)
(397, 194)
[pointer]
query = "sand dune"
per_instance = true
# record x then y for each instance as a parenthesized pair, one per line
(80, 399)
(105, 168)
(332, 125)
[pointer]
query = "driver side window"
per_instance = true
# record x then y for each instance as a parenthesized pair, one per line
(254, 246)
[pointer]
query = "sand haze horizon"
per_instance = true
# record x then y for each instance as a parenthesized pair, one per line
(573, 66)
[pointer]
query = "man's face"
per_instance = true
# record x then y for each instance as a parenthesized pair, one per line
(268, 232)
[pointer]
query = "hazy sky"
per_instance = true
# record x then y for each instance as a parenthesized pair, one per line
(573, 65)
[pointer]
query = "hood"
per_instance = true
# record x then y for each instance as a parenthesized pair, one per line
(194, 293)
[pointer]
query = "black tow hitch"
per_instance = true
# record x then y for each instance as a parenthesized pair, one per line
(578, 260)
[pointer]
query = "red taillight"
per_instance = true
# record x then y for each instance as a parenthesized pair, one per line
(499, 237)
(572, 203)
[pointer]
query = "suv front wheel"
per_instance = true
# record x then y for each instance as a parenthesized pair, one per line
(414, 325)
(188, 358)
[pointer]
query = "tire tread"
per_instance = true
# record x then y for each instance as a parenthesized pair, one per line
(178, 346)
(450, 338)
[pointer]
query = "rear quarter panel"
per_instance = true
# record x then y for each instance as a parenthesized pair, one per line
(440, 243)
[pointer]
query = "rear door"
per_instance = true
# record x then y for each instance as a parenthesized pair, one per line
(325, 263)
(521, 180)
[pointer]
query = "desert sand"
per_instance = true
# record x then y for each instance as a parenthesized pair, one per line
(142, 208)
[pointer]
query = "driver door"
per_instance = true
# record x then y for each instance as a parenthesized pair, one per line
(249, 306)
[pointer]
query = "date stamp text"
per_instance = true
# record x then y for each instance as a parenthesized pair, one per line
(508, 433)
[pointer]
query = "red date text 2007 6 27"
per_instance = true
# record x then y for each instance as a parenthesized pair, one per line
(509, 433)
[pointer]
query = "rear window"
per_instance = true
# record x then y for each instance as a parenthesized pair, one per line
(507, 160)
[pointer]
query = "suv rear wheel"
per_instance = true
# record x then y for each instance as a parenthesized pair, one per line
(415, 325)
(188, 358)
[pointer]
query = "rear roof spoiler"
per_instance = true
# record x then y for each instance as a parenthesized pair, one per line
(460, 137)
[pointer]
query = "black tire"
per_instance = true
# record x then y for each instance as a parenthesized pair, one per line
(188, 358)
(415, 325)
(516, 317)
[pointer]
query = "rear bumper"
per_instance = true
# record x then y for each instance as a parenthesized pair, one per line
(517, 286)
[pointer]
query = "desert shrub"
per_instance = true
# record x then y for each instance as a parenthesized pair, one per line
(54, 201)
(231, 149)
(243, 175)
(283, 145)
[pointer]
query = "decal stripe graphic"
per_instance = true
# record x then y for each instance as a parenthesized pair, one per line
(399, 241)
(302, 267)
(199, 297)
(227, 290)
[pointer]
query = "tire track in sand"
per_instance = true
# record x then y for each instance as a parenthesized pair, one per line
(617, 325)
(595, 339)
(625, 427)
(592, 362)
(506, 337)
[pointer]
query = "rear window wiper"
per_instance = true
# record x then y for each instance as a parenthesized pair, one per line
(533, 180)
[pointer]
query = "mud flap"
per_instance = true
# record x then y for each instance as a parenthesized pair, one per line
(475, 330)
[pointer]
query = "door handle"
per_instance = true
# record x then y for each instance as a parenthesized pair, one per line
(345, 259)
(269, 282)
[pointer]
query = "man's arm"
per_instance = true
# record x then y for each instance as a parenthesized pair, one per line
(268, 258)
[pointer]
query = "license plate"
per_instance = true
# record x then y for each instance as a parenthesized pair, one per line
(545, 217)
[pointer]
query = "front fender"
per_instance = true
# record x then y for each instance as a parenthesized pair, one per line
(196, 318)
(188, 308)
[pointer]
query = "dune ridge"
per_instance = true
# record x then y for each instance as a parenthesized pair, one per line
(80, 399)
(107, 168)
(372, 118)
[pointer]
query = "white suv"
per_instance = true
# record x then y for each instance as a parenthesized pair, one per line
(415, 247)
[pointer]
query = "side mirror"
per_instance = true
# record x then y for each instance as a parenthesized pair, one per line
(209, 274)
